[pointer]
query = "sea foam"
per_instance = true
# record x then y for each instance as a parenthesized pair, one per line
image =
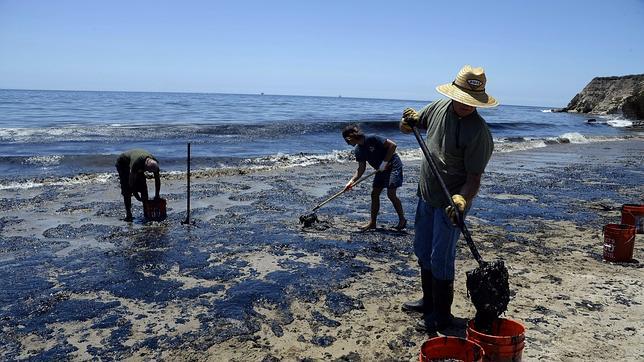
(572, 137)
(619, 123)
(51, 160)
(58, 181)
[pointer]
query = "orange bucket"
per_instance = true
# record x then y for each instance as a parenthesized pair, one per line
(619, 241)
(633, 214)
(506, 342)
(441, 348)
(155, 210)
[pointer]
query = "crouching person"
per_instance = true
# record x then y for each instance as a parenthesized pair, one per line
(131, 166)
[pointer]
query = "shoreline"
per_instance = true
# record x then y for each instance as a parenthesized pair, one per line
(286, 161)
(248, 283)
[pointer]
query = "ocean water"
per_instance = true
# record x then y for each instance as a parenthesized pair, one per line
(62, 134)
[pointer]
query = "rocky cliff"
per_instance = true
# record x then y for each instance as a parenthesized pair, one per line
(611, 95)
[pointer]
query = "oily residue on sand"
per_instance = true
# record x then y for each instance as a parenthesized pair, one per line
(249, 276)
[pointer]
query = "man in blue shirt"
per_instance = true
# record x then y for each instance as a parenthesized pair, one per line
(380, 153)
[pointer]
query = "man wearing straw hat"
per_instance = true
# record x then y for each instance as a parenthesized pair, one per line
(131, 166)
(461, 145)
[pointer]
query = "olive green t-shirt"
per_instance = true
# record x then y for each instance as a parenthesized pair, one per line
(136, 159)
(458, 146)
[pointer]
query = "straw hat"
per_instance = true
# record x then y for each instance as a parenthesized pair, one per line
(469, 88)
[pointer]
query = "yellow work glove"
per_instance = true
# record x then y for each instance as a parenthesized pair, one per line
(460, 203)
(410, 118)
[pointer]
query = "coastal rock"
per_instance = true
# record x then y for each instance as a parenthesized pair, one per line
(611, 95)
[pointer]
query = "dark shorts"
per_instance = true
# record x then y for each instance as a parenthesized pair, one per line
(392, 178)
(124, 179)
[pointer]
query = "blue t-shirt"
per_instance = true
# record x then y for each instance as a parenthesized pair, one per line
(373, 150)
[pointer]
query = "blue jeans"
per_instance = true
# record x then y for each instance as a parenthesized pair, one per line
(435, 241)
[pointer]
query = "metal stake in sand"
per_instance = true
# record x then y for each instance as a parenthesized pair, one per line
(187, 220)
(310, 218)
(487, 285)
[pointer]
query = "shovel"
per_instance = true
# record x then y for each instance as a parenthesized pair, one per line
(310, 218)
(487, 285)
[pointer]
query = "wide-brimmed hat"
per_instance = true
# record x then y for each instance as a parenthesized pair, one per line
(469, 88)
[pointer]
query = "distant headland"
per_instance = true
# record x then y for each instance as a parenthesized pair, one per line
(611, 95)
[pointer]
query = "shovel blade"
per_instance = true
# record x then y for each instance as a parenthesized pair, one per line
(308, 219)
(489, 290)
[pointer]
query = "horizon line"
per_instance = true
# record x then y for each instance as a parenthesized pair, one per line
(245, 94)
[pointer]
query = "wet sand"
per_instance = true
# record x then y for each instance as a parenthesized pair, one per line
(247, 283)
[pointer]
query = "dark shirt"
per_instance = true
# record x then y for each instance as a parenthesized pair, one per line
(373, 150)
(134, 159)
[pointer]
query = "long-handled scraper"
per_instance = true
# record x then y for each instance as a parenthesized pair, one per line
(309, 218)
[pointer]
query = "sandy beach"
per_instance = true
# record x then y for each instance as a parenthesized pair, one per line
(246, 282)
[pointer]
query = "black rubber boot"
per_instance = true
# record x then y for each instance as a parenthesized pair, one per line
(443, 296)
(426, 303)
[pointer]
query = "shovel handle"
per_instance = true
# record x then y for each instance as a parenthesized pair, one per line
(343, 191)
(459, 217)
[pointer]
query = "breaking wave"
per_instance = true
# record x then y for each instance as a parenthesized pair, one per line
(211, 167)
(110, 133)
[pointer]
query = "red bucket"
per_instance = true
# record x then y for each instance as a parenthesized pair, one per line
(633, 214)
(442, 348)
(619, 241)
(155, 210)
(504, 344)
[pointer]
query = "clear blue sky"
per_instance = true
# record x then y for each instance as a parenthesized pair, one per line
(534, 52)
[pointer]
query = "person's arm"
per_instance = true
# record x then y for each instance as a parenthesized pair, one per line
(157, 185)
(139, 187)
(465, 196)
(471, 187)
(144, 189)
(362, 166)
(137, 196)
(477, 155)
(133, 181)
(391, 149)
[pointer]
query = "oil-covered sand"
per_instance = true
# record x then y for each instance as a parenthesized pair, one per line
(246, 282)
